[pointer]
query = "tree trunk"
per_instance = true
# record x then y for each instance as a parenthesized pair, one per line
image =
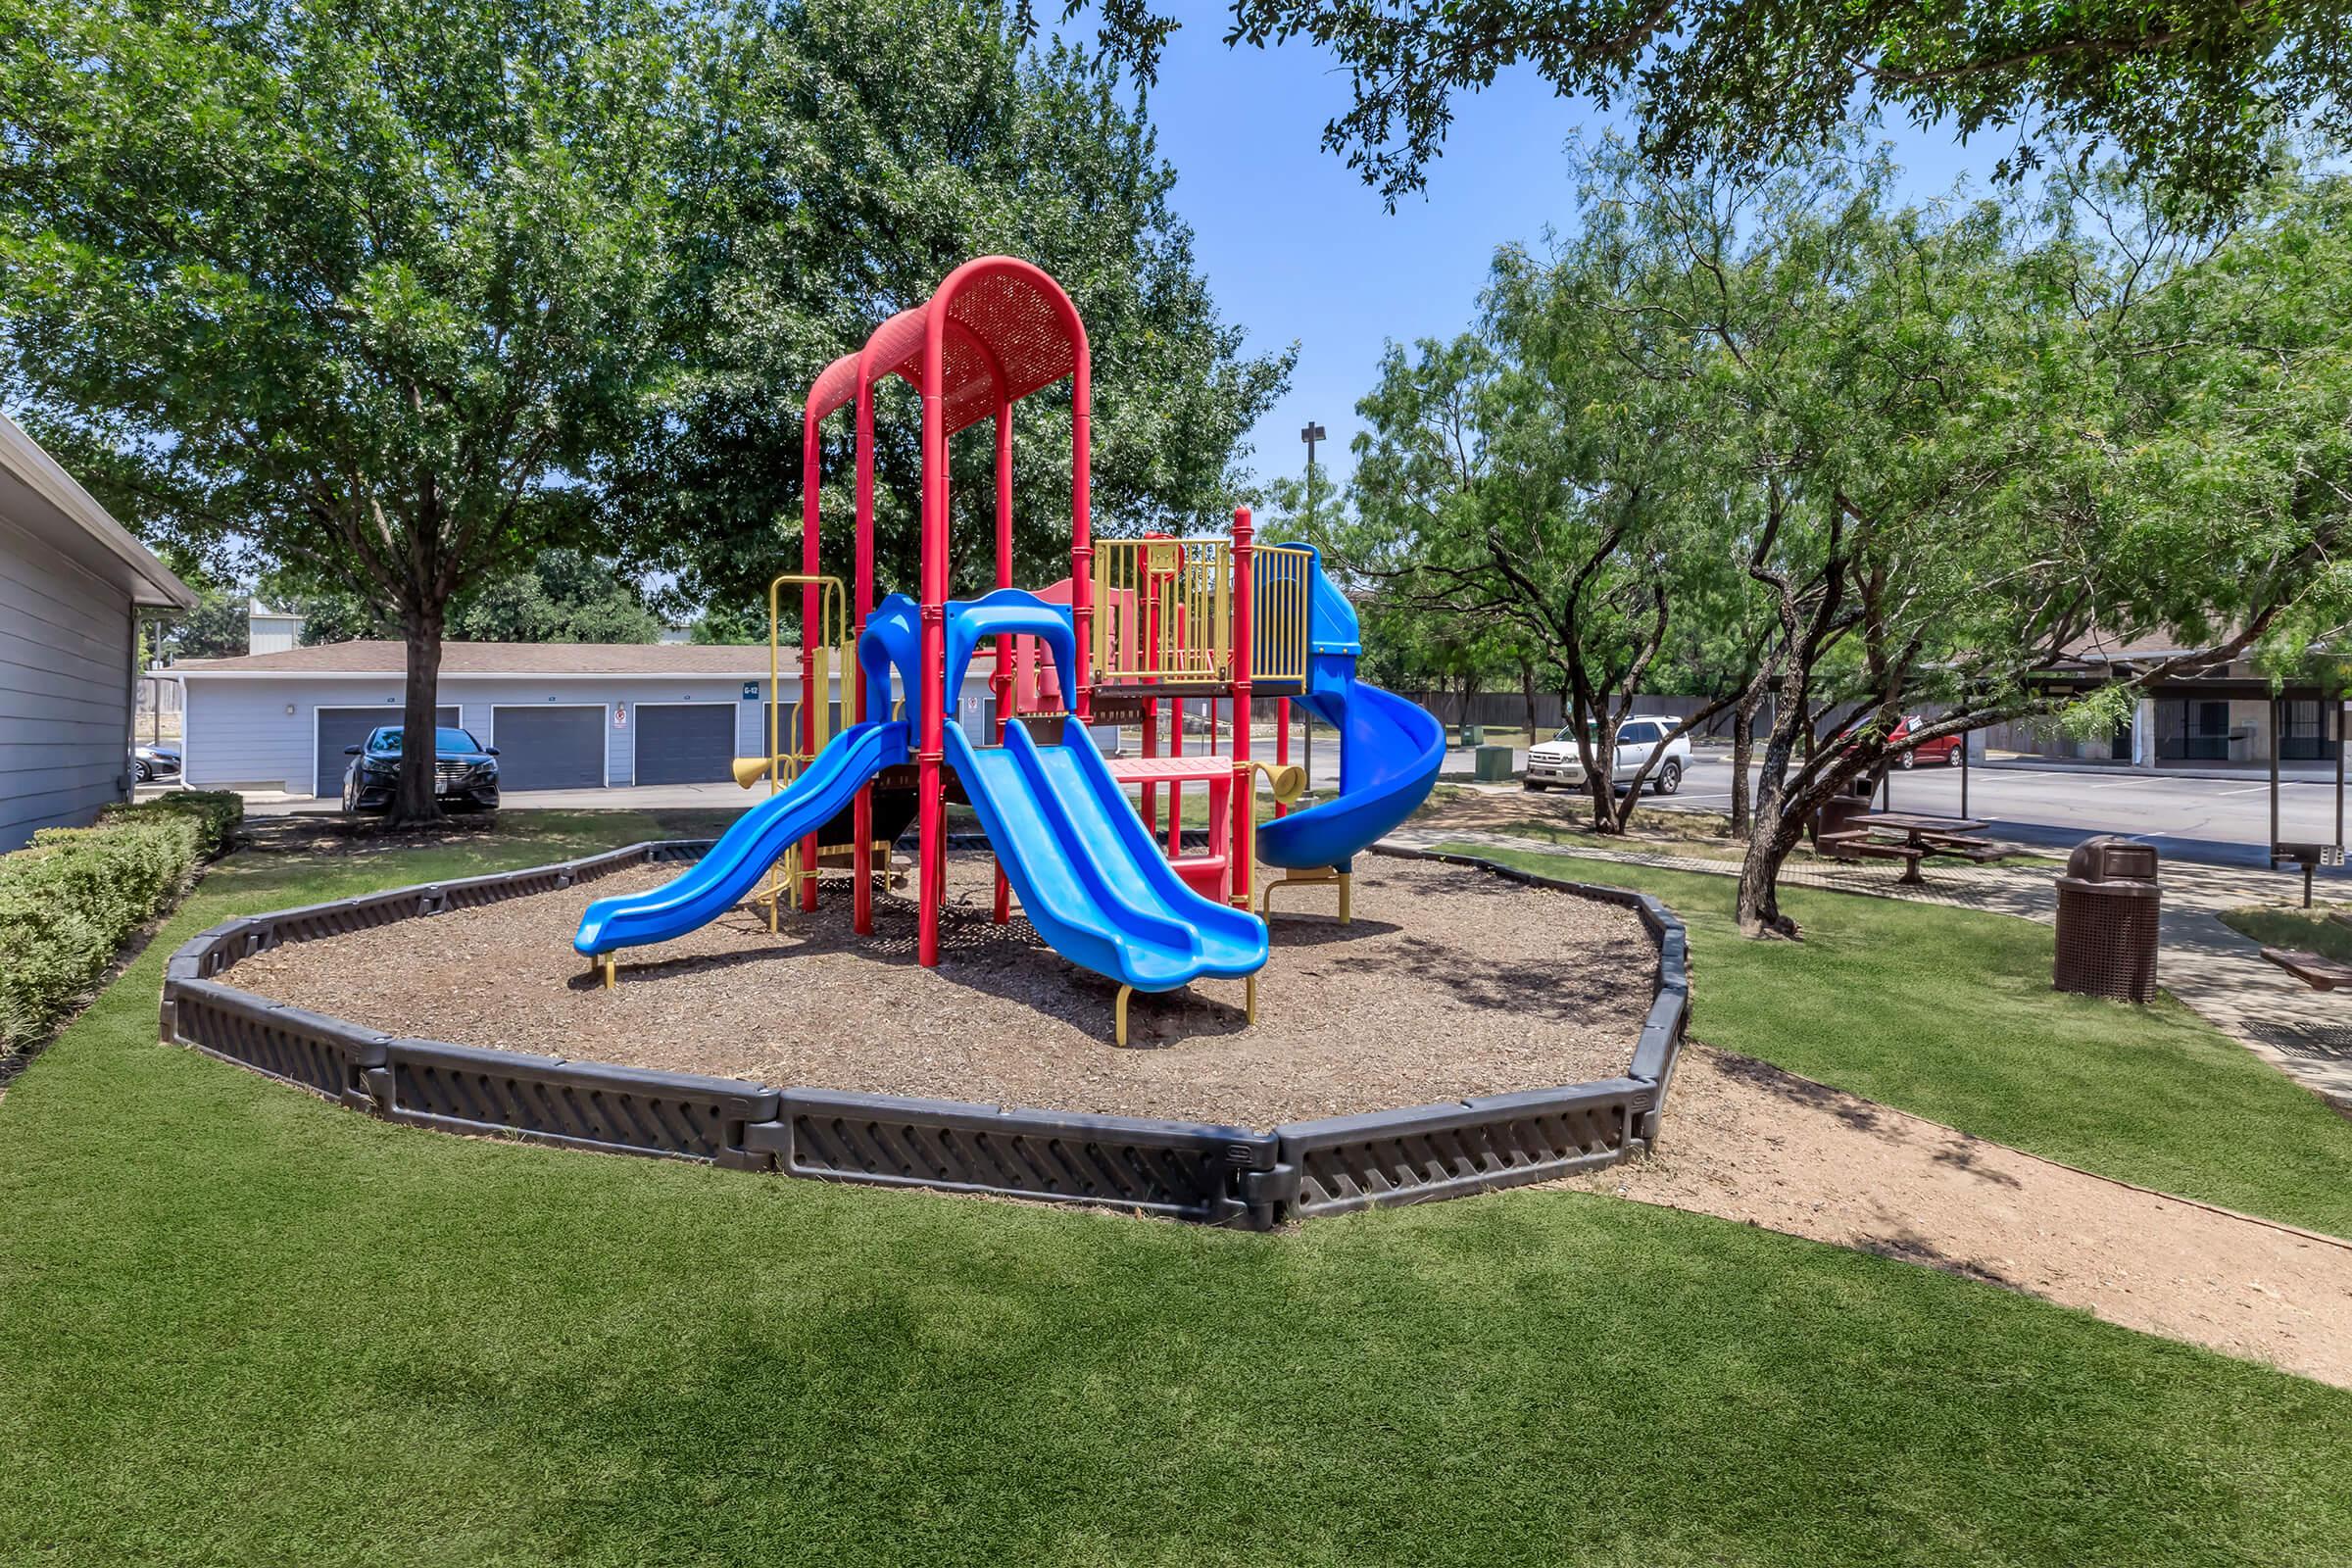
(1601, 769)
(1774, 834)
(416, 803)
(1527, 690)
(1744, 746)
(1774, 830)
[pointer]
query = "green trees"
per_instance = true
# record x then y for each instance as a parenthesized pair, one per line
(562, 596)
(366, 286)
(2188, 93)
(855, 151)
(395, 299)
(1864, 458)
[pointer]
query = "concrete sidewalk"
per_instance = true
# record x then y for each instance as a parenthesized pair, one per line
(2305, 1034)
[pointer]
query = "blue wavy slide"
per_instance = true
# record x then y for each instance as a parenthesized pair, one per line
(743, 854)
(1390, 749)
(1087, 872)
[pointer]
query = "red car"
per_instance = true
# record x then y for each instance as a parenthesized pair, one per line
(1944, 749)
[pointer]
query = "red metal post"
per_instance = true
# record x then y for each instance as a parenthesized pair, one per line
(1144, 620)
(1241, 867)
(811, 633)
(1175, 787)
(930, 803)
(1082, 538)
(1004, 676)
(862, 818)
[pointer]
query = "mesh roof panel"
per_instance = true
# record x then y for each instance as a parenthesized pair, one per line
(835, 387)
(1002, 331)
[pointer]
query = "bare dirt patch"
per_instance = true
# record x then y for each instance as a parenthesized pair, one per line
(1749, 1141)
(1448, 983)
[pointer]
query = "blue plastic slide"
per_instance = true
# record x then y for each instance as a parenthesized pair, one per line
(1087, 872)
(759, 838)
(1390, 749)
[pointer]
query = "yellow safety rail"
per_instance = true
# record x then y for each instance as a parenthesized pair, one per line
(1282, 611)
(1163, 610)
(785, 758)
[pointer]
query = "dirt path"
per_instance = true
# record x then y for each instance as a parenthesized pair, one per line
(1749, 1141)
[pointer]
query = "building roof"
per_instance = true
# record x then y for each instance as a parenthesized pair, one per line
(383, 657)
(2102, 647)
(36, 481)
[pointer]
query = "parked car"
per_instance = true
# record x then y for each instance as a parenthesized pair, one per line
(151, 762)
(1944, 749)
(465, 770)
(1557, 760)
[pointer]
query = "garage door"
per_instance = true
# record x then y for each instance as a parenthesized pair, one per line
(339, 727)
(685, 743)
(549, 748)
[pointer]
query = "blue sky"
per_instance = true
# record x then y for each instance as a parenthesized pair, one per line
(1297, 247)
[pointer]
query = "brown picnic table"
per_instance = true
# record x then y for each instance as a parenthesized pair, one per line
(1920, 837)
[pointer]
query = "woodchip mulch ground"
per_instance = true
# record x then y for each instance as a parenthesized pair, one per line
(1448, 983)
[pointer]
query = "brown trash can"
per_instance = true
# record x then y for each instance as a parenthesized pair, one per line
(2108, 901)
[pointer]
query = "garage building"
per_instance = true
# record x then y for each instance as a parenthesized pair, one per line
(563, 715)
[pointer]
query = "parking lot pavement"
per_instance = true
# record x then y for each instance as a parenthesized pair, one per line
(2220, 821)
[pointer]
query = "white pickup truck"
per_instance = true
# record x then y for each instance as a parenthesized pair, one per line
(1556, 760)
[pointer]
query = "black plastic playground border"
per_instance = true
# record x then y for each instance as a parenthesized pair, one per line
(1230, 1176)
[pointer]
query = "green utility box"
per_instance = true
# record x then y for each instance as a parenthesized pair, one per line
(1474, 734)
(1494, 764)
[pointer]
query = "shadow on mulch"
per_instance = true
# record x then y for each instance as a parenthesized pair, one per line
(1010, 961)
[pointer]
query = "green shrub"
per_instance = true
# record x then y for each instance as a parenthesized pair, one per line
(70, 901)
(217, 813)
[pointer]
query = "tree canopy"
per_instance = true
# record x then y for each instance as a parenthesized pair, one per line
(1870, 455)
(562, 596)
(393, 299)
(837, 184)
(2189, 93)
(363, 287)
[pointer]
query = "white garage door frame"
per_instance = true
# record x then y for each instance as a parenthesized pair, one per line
(734, 730)
(319, 710)
(603, 736)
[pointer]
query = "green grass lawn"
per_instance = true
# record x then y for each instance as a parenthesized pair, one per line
(2276, 925)
(239, 1326)
(1949, 1013)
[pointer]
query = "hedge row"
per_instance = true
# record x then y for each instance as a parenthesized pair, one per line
(70, 901)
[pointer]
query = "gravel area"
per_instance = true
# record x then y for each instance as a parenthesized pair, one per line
(1749, 1141)
(1447, 983)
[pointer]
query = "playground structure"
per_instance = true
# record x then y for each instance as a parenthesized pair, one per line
(1140, 628)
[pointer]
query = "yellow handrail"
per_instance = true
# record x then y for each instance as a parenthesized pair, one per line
(784, 763)
(1283, 582)
(1162, 609)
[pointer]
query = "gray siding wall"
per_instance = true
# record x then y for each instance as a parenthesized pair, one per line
(66, 654)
